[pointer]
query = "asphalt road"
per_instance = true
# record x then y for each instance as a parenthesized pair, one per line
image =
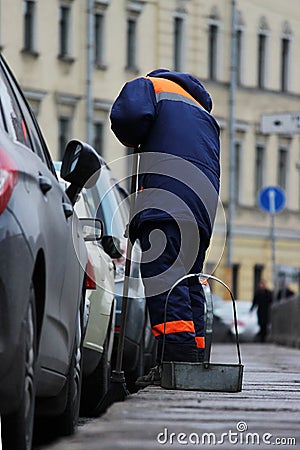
(266, 414)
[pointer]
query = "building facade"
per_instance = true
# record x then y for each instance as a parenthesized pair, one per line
(72, 57)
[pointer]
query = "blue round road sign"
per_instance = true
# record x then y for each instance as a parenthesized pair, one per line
(271, 199)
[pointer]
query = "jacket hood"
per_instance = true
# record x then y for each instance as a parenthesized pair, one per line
(189, 83)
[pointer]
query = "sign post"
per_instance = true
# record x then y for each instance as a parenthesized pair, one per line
(272, 200)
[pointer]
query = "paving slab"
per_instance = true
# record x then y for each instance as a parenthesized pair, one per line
(264, 415)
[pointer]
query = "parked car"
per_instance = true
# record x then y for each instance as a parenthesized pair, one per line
(247, 324)
(109, 202)
(221, 330)
(100, 306)
(43, 261)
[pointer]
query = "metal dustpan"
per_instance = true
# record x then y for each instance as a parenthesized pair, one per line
(204, 376)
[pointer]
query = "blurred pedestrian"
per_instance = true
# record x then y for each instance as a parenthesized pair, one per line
(262, 301)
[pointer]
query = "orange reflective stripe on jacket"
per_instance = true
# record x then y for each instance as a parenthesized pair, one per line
(168, 90)
(200, 341)
(176, 326)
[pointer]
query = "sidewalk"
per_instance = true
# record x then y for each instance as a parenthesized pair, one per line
(266, 414)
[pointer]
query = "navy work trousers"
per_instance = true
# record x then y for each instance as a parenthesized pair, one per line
(171, 250)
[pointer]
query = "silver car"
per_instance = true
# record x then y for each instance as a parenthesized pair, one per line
(100, 308)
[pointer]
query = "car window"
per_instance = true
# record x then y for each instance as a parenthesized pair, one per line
(3, 92)
(104, 202)
(123, 200)
(14, 122)
(3, 124)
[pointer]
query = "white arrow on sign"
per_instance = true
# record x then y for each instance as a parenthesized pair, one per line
(283, 123)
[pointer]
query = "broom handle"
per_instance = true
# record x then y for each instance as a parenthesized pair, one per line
(120, 349)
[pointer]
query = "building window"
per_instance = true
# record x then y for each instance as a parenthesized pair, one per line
(178, 43)
(29, 25)
(66, 108)
(259, 167)
(237, 170)
(213, 33)
(64, 133)
(134, 10)
(98, 137)
(240, 25)
(131, 49)
(214, 43)
(64, 31)
(262, 39)
(282, 167)
(99, 39)
(286, 61)
(239, 36)
(285, 64)
(262, 53)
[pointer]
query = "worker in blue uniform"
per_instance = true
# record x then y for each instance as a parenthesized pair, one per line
(166, 117)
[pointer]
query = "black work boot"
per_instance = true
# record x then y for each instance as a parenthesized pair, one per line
(153, 378)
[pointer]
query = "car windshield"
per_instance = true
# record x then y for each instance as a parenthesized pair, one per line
(106, 203)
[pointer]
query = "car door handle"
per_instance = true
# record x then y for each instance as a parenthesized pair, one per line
(68, 209)
(45, 184)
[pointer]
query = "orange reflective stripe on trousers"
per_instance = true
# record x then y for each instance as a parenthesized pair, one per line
(176, 326)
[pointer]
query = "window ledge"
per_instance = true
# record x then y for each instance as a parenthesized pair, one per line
(101, 66)
(102, 2)
(30, 52)
(132, 69)
(66, 59)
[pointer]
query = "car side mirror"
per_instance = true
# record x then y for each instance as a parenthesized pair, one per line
(92, 229)
(112, 246)
(80, 167)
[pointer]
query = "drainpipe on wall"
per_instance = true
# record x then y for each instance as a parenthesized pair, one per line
(89, 70)
(232, 168)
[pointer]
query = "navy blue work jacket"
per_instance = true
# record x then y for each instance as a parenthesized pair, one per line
(166, 115)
